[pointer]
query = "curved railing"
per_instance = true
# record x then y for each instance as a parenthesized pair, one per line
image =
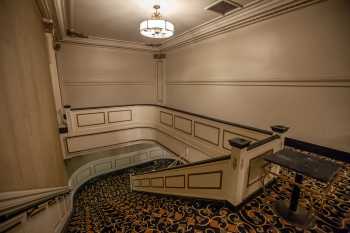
(24, 211)
(101, 166)
(193, 137)
(200, 141)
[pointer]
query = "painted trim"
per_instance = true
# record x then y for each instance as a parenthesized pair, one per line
(338, 81)
(108, 84)
(109, 43)
(154, 178)
(221, 158)
(143, 186)
(108, 113)
(252, 13)
(164, 123)
(204, 173)
(14, 203)
(141, 127)
(92, 113)
(184, 181)
(75, 183)
(228, 131)
(204, 139)
(249, 167)
(264, 141)
(263, 131)
(189, 133)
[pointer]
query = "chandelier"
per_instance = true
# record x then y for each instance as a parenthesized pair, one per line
(157, 27)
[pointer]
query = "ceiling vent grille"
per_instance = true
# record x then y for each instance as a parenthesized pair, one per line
(223, 6)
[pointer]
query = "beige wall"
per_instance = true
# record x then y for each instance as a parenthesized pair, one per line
(103, 76)
(30, 155)
(293, 70)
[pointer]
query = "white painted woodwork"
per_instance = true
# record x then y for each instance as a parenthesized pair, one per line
(205, 180)
(206, 132)
(221, 180)
(183, 124)
(154, 123)
(157, 182)
(52, 215)
(175, 181)
(117, 162)
(102, 167)
(119, 116)
(90, 119)
(166, 118)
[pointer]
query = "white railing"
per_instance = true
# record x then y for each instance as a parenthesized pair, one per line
(191, 136)
(232, 178)
(35, 211)
(117, 162)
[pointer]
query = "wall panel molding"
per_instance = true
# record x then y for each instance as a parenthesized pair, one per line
(205, 179)
(201, 131)
(121, 117)
(166, 118)
(83, 119)
(108, 84)
(157, 182)
(175, 181)
(117, 162)
(177, 124)
(289, 83)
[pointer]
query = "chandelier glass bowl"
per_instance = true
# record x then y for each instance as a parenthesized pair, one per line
(157, 27)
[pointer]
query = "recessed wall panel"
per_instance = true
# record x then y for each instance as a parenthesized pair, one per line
(183, 124)
(102, 167)
(119, 116)
(207, 132)
(90, 119)
(157, 182)
(205, 180)
(177, 181)
(166, 119)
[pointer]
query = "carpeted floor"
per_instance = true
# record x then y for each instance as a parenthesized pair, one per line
(105, 204)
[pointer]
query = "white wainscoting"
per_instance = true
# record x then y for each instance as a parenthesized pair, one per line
(180, 132)
(118, 162)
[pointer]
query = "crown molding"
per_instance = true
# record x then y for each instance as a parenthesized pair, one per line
(251, 13)
(255, 12)
(104, 42)
(63, 26)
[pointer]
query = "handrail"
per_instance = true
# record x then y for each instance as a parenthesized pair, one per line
(221, 158)
(263, 141)
(31, 204)
(184, 112)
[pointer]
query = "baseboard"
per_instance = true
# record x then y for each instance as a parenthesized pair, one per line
(318, 149)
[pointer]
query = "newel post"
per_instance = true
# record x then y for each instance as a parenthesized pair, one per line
(281, 131)
(239, 149)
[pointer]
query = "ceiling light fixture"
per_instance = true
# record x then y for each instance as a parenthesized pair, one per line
(157, 27)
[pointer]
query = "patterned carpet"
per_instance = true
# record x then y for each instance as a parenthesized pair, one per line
(105, 204)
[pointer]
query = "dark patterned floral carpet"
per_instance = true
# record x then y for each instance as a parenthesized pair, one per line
(105, 204)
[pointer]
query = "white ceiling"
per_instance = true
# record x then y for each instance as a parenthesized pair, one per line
(120, 19)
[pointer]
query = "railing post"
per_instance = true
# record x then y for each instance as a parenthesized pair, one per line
(280, 130)
(239, 148)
